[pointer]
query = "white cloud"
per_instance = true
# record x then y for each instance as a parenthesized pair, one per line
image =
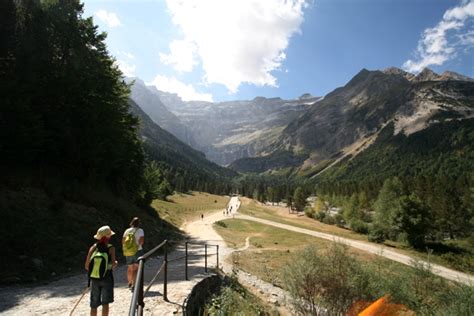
(238, 41)
(467, 39)
(436, 45)
(127, 69)
(181, 56)
(185, 91)
(109, 18)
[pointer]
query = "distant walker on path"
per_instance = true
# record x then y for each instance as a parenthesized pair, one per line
(132, 245)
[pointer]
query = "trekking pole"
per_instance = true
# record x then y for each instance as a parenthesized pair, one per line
(80, 298)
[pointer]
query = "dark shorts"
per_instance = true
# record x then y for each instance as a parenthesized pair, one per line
(102, 291)
(133, 259)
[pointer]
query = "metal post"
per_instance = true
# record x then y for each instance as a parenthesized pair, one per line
(141, 304)
(165, 278)
(217, 256)
(186, 261)
(205, 258)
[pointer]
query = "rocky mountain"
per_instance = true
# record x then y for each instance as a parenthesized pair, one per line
(350, 118)
(164, 147)
(227, 131)
(224, 131)
(149, 101)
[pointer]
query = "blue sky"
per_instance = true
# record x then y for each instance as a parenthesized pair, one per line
(239, 49)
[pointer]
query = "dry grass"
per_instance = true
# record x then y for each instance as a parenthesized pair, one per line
(180, 208)
(270, 248)
(281, 215)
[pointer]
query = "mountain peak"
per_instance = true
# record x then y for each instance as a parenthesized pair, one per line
(361, 76)
(398, 71)
(426, 75)
(305, 96)
(394, 71)
(451, 75)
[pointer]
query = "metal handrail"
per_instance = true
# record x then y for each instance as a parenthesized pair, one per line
(137, 305)
(154, 278)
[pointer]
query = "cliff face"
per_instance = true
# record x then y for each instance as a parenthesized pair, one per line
(348, 119)
(309, 132)
(149, 101)
(228, 131)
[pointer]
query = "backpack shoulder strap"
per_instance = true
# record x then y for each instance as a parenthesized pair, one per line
(94, 248)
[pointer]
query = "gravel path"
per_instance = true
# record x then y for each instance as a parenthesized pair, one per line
(203, 230)
(59, 297)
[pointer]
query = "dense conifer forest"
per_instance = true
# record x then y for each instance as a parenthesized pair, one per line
(72, 158)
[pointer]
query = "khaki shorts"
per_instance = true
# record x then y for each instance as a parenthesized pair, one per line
(134, 259)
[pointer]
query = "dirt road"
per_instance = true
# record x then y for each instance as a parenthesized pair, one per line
(371, 248)
(202, 230)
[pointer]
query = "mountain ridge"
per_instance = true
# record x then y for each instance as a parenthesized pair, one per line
(320, 129)
(345, 120)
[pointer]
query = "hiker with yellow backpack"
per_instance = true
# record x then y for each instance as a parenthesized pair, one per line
(132, 246)
(100, 262)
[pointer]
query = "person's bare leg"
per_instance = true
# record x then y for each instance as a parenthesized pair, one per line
(93, 311)
(130, 274)
(105, 310)
(134, 273)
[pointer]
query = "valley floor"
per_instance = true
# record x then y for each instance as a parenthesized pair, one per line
(370, 248)
(58, 298)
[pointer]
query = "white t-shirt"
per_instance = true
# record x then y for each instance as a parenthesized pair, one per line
(140, 233)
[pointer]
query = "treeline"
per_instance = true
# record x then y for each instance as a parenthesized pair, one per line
(71, 156)
(416, 188)
(65, 110)
(417, 209)
(268, 188)
(64, 104)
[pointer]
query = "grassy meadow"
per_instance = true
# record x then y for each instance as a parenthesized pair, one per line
(270, 248)
(461, 260)
(180, 207)
(250, 207)
(272, 251)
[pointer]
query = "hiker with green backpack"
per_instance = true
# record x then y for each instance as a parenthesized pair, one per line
(132, 246)
(100, 262)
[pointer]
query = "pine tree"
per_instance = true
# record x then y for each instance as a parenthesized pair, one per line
(299, 199)
(388, 206)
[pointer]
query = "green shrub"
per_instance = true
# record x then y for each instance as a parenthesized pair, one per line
(319, 216)
(359, 226)
(329, 220)
(308, 211)
(376, 234)
(221, 224)
(234, 299)
(329, 282)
